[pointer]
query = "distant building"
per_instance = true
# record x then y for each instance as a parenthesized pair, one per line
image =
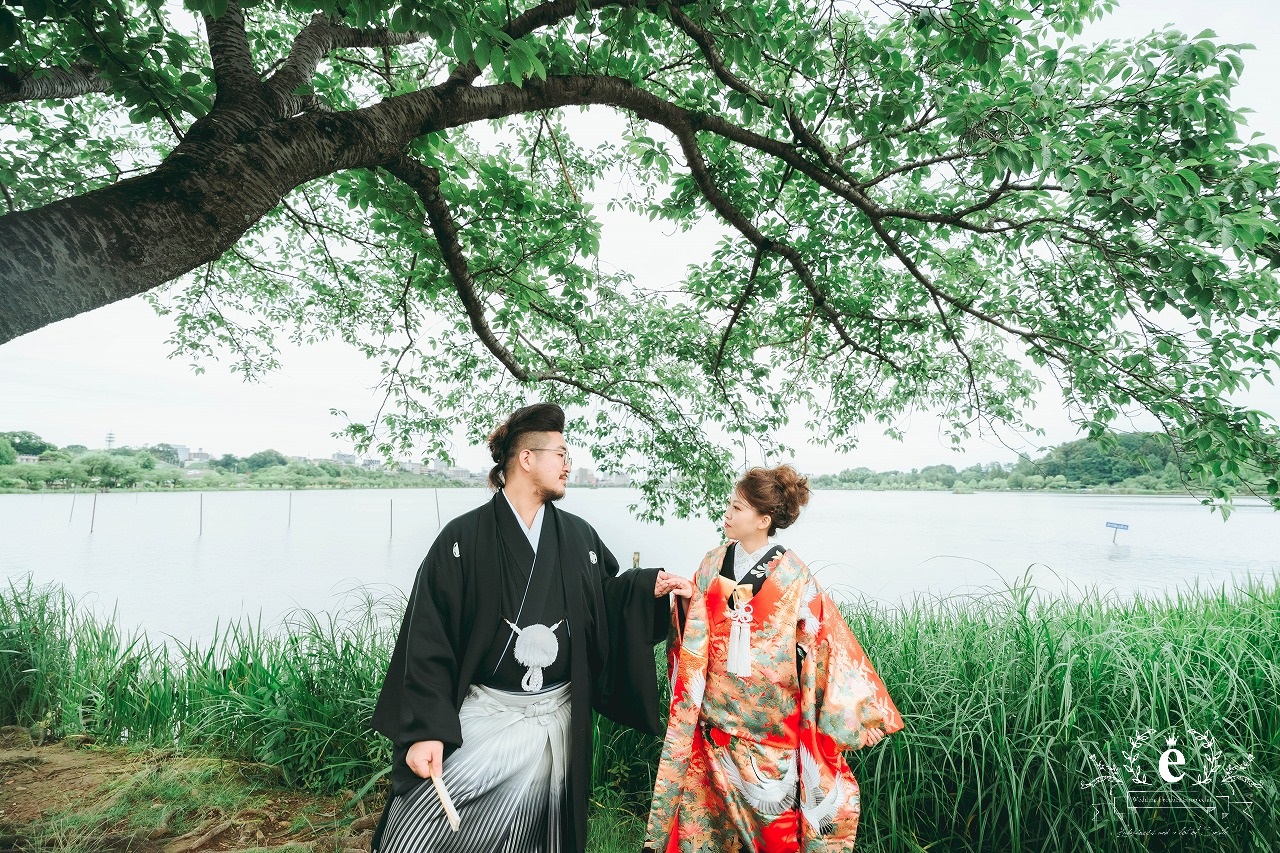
(200, 456)
(584, 477)
(27, 459)
(439, 466)
(372, 464)
(183, 452)
(455, 473)
(414, 468)
(620, 481)
(344, 458)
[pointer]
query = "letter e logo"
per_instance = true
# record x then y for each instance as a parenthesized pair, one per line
(1171, 758)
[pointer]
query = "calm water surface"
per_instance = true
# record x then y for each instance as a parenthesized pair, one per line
(174, 568)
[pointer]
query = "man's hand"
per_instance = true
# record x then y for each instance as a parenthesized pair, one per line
(668, 583)
(426, 758)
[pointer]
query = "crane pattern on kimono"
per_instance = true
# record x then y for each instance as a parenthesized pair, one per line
(766, 796)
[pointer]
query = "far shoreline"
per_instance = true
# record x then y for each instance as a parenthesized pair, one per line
(1084, 491)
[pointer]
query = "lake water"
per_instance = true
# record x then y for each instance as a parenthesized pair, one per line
(177, 568)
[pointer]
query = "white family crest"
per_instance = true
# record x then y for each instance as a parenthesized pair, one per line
(592, 555)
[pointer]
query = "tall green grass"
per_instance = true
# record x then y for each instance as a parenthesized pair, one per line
(295, 698)
(1011, 701)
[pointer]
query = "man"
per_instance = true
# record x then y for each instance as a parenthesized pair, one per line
(519, 624)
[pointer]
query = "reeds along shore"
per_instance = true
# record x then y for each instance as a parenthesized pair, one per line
(1032, 724)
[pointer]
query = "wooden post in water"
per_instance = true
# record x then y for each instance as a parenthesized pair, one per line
(73, 508)
(290, 524)
(391, 518)
(201, 533)
(93, 516)
(438, 524)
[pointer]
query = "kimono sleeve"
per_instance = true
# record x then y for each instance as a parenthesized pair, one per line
(706, 571)
(417, 701)
(848, 697)
(627, 691)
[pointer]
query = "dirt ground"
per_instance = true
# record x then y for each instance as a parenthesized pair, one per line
(41, 783)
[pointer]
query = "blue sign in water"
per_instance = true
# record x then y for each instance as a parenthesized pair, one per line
(1117, 525)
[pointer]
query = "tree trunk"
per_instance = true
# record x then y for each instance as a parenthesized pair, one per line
(81, 253)
(231, 170)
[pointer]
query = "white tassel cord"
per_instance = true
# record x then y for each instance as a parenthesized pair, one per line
(739, 655)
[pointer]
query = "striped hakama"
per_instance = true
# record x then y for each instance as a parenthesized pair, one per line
(507, 780)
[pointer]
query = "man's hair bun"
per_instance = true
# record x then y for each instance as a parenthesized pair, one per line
(498, 443)
(508, 439)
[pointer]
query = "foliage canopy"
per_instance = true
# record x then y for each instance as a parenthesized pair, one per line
(932, 205)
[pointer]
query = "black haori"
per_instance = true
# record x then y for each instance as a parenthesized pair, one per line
(454, 625)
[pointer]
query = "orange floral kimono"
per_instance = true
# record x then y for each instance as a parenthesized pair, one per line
(766, 695)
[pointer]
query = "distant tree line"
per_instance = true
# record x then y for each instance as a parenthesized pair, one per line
(159, 467)
(1141, 462)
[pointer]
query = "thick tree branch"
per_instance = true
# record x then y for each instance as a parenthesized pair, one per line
(49, 83)
(239, 179)
(233, 71)
(706, 43)
(317, 40)
(109, 244)
(425, 181)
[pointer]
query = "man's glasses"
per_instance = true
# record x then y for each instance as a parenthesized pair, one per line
(564, 454)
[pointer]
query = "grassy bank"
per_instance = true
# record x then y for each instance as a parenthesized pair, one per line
(1025, 717)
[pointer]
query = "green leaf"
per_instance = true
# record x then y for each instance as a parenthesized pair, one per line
(8, 28)
(37, 10)
(462, 44)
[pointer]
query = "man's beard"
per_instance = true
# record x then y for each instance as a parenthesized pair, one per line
(548, 496)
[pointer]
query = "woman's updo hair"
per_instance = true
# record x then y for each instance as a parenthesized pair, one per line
(510, 438)
(779, 493)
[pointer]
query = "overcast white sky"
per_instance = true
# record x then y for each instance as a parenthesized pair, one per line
(108, 370)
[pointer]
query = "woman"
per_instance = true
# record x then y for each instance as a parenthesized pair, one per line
(769, 688)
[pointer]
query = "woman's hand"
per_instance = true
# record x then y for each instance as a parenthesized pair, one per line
(871, 737)
(426, 758)
(668, 583)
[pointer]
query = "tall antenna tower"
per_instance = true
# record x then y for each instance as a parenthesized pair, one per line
(111, 439)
